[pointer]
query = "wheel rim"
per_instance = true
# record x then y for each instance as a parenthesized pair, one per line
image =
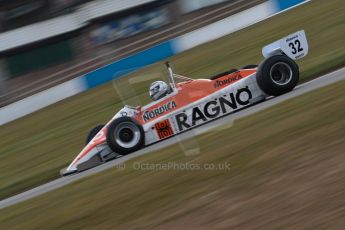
(127, 135)
(281, 73)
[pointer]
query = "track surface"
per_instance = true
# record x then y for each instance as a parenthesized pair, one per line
(58, 183)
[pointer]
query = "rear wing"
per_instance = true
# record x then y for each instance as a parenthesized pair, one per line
(295, 46)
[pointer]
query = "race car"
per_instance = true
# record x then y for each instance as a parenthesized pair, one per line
(186, 103)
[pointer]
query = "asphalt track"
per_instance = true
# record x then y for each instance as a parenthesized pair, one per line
(325, 80)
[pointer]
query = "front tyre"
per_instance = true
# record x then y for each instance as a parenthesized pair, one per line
(125, 135)
(277, 75)
(93, 132)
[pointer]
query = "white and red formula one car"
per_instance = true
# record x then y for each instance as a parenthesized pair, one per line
(191, 103)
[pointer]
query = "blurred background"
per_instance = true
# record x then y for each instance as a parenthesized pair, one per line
(280, 177)
(47, 42)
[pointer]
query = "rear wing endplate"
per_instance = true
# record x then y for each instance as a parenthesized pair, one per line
(295, 46)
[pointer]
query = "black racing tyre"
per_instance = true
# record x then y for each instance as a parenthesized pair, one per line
(249, 67)
(93, 132)
(125, 135)
(277, 75)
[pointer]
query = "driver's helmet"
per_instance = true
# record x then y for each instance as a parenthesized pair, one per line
(158, 89)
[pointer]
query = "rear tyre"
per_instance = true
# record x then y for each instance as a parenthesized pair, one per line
(277, 75)
(125, 135)
(93, 132)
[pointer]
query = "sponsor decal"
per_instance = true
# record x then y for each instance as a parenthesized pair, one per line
(215, 108)
(151, 114)
(227, 81)
(291, 38)
(164, 129)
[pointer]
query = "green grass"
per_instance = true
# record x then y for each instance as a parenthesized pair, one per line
(288, 171)
(34, 148)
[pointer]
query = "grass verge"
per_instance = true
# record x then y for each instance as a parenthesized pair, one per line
(34, 148)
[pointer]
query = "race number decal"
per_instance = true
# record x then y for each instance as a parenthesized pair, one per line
(164, 129)
(295, 46)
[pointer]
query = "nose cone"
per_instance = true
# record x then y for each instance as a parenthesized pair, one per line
(65, 172)
(90, 150)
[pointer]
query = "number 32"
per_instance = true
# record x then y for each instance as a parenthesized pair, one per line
(293, 46)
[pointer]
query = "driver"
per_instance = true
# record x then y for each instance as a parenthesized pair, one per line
(158, 90)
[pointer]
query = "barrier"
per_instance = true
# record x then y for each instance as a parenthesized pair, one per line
(281, 5)
(130, 64)
(145, 58)
(42, 99)
(225, 26)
